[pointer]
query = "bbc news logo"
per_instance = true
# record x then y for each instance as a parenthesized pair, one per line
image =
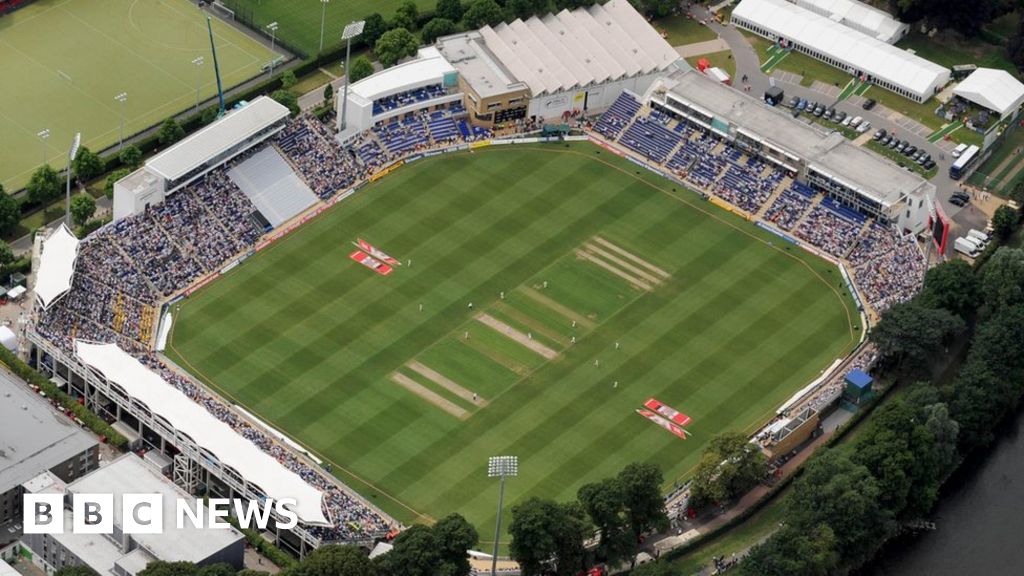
(144, 513)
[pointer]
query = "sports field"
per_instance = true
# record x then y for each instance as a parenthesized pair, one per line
(63, 62)
(616, 289)
(299, 22)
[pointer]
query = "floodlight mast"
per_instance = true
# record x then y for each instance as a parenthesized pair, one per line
(500, 467)
(351, 31)
(72, 152)
(323, 19)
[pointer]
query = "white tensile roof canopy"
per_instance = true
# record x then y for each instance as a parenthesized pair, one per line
(844, 44)
(56, 266)
(214, 436)
(994, 89)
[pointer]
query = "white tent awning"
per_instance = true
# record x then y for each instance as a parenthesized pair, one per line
(994, 89)
(211, 434)
(56, 266)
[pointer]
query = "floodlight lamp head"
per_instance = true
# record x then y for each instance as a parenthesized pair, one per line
(352, 30)
(502, 467)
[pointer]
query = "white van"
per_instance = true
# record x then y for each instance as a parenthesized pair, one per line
(856, 122)
(978, 235)
(966, 247)
(960, 148)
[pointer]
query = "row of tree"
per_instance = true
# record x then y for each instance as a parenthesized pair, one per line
(850, 499)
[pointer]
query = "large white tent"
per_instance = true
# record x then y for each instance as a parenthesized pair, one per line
(859, 16)
(845, 48)
(214, 436)
(56, 266)
(994, 89)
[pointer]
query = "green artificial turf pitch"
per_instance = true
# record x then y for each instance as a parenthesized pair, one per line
(309, 340)
(103, 48)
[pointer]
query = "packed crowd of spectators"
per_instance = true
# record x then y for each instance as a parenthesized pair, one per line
(826, 230)
(324, 166)
(893, 277)
(787, 209)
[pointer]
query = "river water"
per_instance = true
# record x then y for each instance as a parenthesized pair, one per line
(979, 519)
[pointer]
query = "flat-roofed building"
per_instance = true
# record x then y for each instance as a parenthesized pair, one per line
(35, 438)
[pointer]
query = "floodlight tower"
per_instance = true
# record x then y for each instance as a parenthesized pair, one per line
(273, 42)
(500, 467)
(122, 98)
(216, 67)
(351, 31)
(323, 19)
(72, 152)
(198, 62)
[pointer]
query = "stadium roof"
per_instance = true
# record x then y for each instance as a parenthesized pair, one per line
(828, 151)
(994, 89)
(214, 436)
(827, 37)
(574, 49)
(33, 437)
(859, 16)
(128, 474)
(56, 266)
(428, 67)
(477, 65)
(223, 135)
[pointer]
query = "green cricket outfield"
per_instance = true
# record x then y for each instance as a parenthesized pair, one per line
(594, 285)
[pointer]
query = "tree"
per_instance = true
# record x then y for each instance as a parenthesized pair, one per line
(288, 79)
(334, 560)
(729, 466)
(945, 432)
(373, 28)
(641, 496)
(82, 208)
(170, 132)
(10, 212)
(395, 45)
(130, 156)
(75, 571)
(416, 553)
(1002, 282)
(655, 8)
(909, 330)
(482, 13)
(86, 164)
(361, 68)
(406, 15)
(449, 10)
(209, 115)
(220, 569)
(112, 178)
(603, 502)
(6, 254)
(790, 551)
(1005, 221)
(542, 531)
(524, 8)
(436, 28)
(952, 285)
(1015, 52)
(286, 98)
(44, 185)
(842, 495)
(455, 536)
(328, 93)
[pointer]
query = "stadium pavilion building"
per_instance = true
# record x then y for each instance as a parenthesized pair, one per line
(825, 160)
(842, 46)
(542, 67)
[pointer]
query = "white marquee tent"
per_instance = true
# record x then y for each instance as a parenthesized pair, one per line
(994, 89)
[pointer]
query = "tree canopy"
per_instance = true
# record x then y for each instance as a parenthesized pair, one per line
(10, 212)
(130, 156)
(952, 285)
(729, 466)
(1003, 279)
(87, 165)
(82, 209)
(44, 185)
(170, 132)
(449, 10)
(436, 28)
(361, 68)
(394, 45)
(912, 331)
(334, 560)
(481, 13)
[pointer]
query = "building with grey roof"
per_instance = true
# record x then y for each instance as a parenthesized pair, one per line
(128, 554)
(35, 438)
(823, 158)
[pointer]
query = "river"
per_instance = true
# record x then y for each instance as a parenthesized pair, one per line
(979, 519)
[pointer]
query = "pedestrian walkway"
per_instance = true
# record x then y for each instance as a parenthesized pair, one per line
(942, 132)
(828, 90)
(849, 89)
(776, 55)
(787, 77)
(699, 48)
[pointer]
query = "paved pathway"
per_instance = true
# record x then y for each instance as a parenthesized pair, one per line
(698, 48)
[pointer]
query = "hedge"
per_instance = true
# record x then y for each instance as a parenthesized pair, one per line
(279, 557)
(91, 420)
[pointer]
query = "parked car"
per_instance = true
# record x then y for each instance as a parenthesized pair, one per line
(909, 150)
(819, 110)
(895, 143)
(848, 120)
(796, 112)
(928, 164)
(957, 201)
(801, 105)
(869, 104)
(839, 117)
(794, 101)
(864, 127)
(829, 113)
(879, 134)
(901, 146)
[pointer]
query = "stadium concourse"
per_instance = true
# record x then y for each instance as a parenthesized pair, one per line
(161, 246)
